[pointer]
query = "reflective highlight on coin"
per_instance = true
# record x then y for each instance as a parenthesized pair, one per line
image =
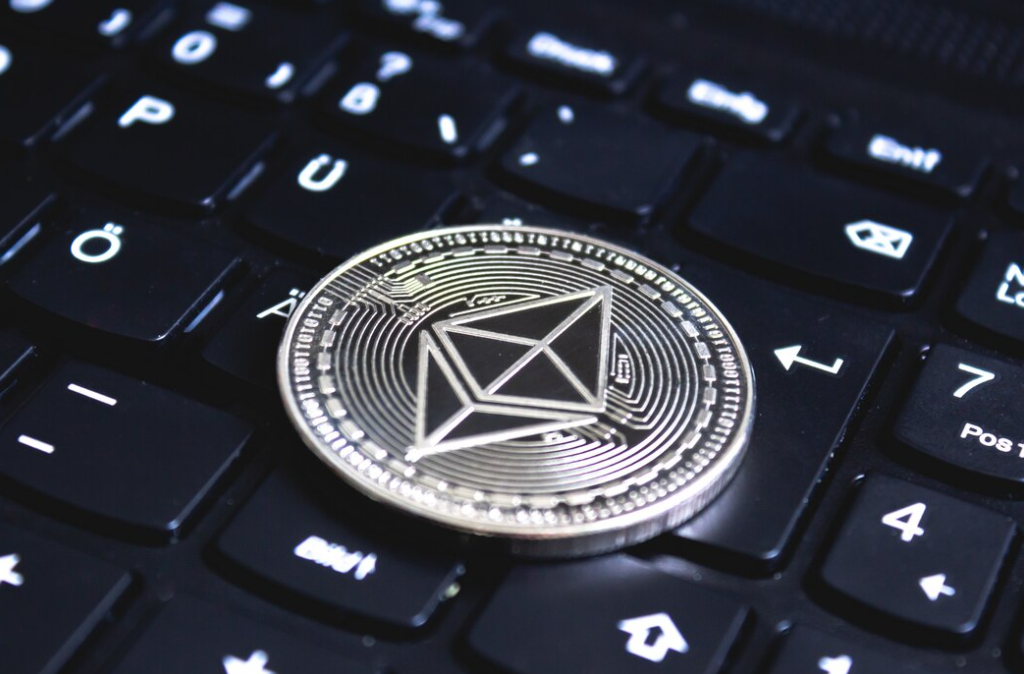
(560, 393)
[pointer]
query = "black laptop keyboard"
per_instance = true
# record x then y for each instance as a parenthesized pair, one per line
(174, 176)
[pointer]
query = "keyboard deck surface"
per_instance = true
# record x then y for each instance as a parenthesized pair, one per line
(840, 178)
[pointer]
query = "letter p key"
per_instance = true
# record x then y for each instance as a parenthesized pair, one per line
(149, 110)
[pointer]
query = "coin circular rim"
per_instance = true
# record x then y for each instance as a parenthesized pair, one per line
(592, 537)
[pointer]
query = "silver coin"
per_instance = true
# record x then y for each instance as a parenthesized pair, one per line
(559, 393)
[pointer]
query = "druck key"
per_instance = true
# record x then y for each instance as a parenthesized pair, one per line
(119, 448)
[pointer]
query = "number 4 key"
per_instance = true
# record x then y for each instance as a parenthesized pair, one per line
(901, 553)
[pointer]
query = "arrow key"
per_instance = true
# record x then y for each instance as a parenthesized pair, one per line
(808, 651)
(624, 617)
(918, 556)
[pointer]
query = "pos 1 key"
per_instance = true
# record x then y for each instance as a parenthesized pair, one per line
(965, 410)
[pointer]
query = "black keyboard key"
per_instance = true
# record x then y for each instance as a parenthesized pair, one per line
(169, 145)
(910, 152)
(624, 166)
(599, 64)
(315, 550)
(966, 411)
(453, 108)
(459, 24)
(729, 104)
(119, 448)
(994, 295)
(1015, 197)
(51, 599)
(807, 651)
(258, 48)
(126, 277)
(508, 210)
(40, 91)
(918, 555)
(16, 353)
(189, 635)
(246, 346)
(336, 200)
(822, 225)
(800, 351)
(23, 203)
(613, 615)
(111, 23)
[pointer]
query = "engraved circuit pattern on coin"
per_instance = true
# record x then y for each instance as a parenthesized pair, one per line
(559, 392)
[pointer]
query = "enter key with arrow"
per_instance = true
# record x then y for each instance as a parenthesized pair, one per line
(790, 356)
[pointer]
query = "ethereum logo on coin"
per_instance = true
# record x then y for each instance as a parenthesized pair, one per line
(512, 372)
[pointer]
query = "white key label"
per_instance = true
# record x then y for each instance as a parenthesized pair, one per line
(891, 151)
(7, 573)
(1011, 290)
(666, 637)
(337, 557)
(97, 246)
(743, 106)
(907, 521)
